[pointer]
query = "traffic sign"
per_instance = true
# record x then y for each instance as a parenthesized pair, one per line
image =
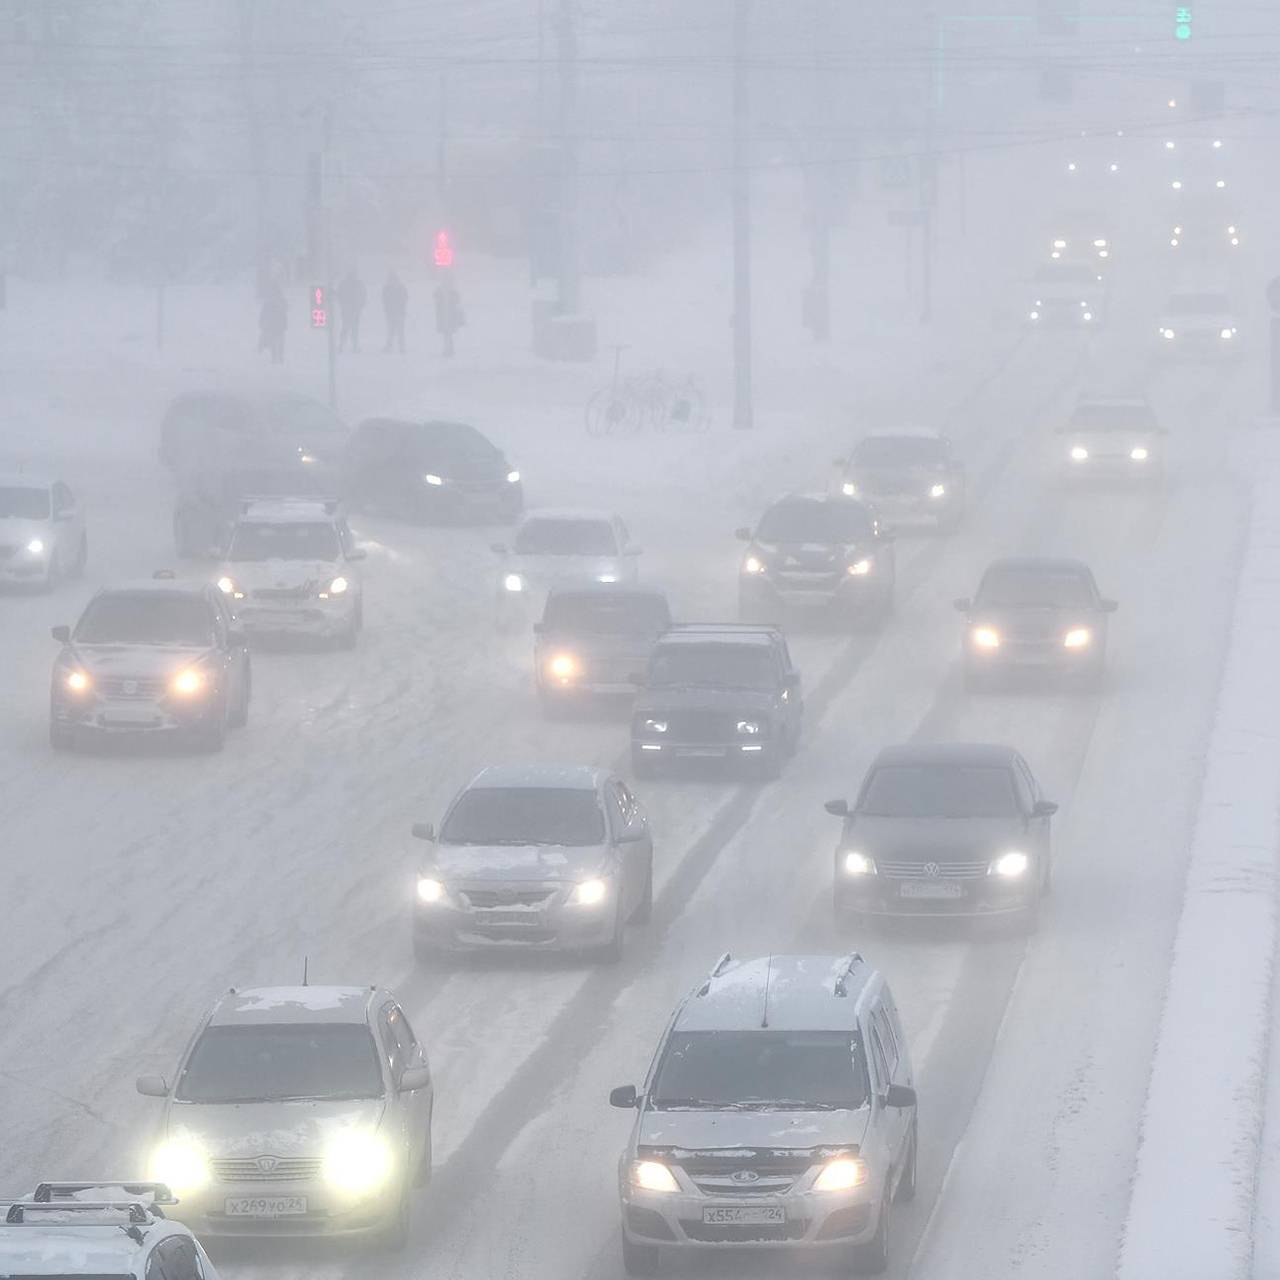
(319, 307)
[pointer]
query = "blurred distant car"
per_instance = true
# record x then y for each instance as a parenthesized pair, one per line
(42, 534)
(1111, 439)
(551, 857)
(593, 640)
(154, 657)
(1035, 616)
(823, 551)
(1067, 295)
(1205, 235)
(1200, 324)
(430, 470)
(1080, 236)
(908, 475)
(202, 430)
(290, 569)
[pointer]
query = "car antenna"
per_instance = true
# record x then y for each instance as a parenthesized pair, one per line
(304, 971)
(768, 973)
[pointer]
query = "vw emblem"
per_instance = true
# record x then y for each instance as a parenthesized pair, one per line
(267, 1164)
(932, 870)
(130, 686)
(744, 1175)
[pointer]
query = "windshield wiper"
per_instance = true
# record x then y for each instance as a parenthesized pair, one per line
(793, 1104)
(672, 1104)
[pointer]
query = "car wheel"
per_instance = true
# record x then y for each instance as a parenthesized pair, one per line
(872, 1258)
(213, 737)
(769, 765)
(639, 1259)
(61, 737)
(395, 1234)
(1027, 921)
(644, 908)
(349, 638)
(907, 1182)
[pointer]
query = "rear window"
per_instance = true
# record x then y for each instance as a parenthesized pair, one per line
(605, 614)
(1033, 588)
(146, 617)
(552, 537)
(18, 502)
(1113, 417)
(525, 816)
(939, 791)
(814, 520)
(899, 451)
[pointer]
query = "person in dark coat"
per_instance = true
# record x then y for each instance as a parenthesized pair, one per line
(449, 317)
(395, 301)
(272, 321)
(351, 299)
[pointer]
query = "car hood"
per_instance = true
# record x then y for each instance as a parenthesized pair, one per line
(703, 698)
(143, 661)
(281, 573)
(716, 1131)
(545, 570)
(301, 1128)
(933, 839)
(515, 862)
(872, 476)
(1031, 618)
(17, 531)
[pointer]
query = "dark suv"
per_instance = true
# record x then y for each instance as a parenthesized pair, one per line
(956, 829)
(592, 641)
(817, 551)
(720, 691)
(909, 476)
(1036, 617)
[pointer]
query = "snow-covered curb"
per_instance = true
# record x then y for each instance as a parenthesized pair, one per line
(1191, 1211)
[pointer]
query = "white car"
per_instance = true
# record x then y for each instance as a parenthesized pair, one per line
(289, 569)
(298, 1111)
(42, 536)
(118, 1229)
(1067, 295)
(1203, 322)
(563, 548)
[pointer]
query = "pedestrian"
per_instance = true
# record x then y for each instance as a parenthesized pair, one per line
(272, 320)
(395, 300)
(449, 317)
(351, 299)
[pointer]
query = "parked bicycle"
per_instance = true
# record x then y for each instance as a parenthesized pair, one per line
(646, 402)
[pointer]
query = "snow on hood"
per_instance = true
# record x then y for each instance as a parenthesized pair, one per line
(302, 1128)
(714, 1132)
(281, 573)
(143, 661)
(517, 862)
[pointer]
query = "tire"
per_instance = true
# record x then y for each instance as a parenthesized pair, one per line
(639, 1259)
(1027, 921)
(394, 1236)
(769, 766)
(872, 1258)
(213, 738)
(644, 908)
(907, 1182)
(61, 738)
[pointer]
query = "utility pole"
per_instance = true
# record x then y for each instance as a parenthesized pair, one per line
(442, 146)
(326, 196)
(929, 175)
(820, 182)
(743, 416)
(567, 290)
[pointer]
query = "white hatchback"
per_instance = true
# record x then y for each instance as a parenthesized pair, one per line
(42, 535)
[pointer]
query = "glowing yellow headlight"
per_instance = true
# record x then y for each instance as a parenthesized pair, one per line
(358, 1162)
(849, 489)
(1011, 865)
(1077, 638)
(429, 890)
(1139, 453)
(564, 666)
(753, 564)
(187, 683)
(860, 568)
(842, 1174)
(77, 681)
(858, 864)
(985, 637)
(938, 491)
(649, 1175)
(590, 893)
(181, 1166)
(1079, 453)
(228, 587)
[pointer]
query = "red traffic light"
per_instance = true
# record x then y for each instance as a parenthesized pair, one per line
(443, 253)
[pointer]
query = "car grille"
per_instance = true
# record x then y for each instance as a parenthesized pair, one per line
(246, 1169)
(282, 593)
(722, 1176)
(125, 687)
(911, 870)
(704, 726)
(491, 899)
(744, 1233)
(811, 578)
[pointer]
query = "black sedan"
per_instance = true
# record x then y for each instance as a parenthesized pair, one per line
(957, 830)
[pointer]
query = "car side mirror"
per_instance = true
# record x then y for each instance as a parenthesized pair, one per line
(1043, 809)
(900, 1097)
(414, 1078)
(1108, 606)
(152, 1086)
(963, 604)
(837, 808)
(742, 535)
(357, 553)
(498, 548)
(423, 831)
(61, 634)
(625, 1097)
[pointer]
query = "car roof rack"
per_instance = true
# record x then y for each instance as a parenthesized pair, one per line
(140, 1215)
(851, 962)
(158, 1191)
(716, 971)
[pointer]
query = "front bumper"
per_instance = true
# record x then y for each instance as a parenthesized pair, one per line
(1118, 468)
(18, 565)
(521, 916)
(913, 508)
(1035, 657)
(883, 895)
(327, 1212)
(661, 749)
(101, 716)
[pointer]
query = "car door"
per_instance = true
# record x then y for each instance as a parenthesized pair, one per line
(892, 1051)
(232, 657)
(412, 1107)
(889, 1121)
(623, 849)
(792, 696)
(1029, 795)
(638, 848)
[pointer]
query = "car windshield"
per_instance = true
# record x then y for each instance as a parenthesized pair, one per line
(1186, 304)
(146, 617)
(254, 541)
(1032, 588)
(566, 538)
(939, 791)
(723, 666)
(525, 816)
(603, 614)
(899, 451)
(783, 1070)
(451, 440)
(18, 502)
(270, 1062)
(1113, 417)
(813, 520)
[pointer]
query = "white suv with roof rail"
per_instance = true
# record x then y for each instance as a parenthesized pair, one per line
(778, 1112)
(101, 1231)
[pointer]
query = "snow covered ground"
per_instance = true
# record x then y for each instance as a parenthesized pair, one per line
(138, 885)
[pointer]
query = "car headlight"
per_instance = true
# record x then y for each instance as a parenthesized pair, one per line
(1226, 333)
(1010, 865)
(1099, 244)
(1061, 244)
(229, 587)
(432, 479)
(306, 458)
(513, 582)
(606, 578)
(1033, 315)
(1088, 315)
(590, 893)
(749, 727)
(1139, 453)
(357, 1162)
(181, 1166)
(564, 666)
(1168, 334)
(849, 489)
(1079, 453)
(35, 547)
(938, 491)
(1077, 638)
(858, 864)
(985, 637)
(859, 568)
(655, 726)
(189, 683)
(753, 564)
(841, 1174)
(513, 477)
(77, 681)
(429, 889)
(337, 587)
(650, 1175)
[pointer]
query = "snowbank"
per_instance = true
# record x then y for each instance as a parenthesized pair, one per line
(1191, 1212)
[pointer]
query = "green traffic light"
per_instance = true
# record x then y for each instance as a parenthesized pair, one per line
(1183, 31)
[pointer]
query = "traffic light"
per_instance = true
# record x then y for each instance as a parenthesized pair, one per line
(1182, 22)
(443, 250)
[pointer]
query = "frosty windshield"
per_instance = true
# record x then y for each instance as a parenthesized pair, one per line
(146, 617)
(525, 816)
(566, 538)
(23, 503)
(724, 666)
(264, 541)
(899, 451)
(939, 791)
(1033, 588)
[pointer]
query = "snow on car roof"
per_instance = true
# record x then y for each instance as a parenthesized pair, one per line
(802, 995)
(73, 1243)
(709, 633)
(287, 511)
(292, 1004)
(1046, 564)
(155, 586)
(562, 777)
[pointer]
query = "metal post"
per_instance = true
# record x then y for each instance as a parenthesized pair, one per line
(1275, 365)
(567, 295)
(442, 145)
(743, 416)
(326, 195)
(821, 178)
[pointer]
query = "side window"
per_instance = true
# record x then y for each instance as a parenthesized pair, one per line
(397, 1039)
(888, 1041)
(880, 1067)
(612, 803)
(1025, 770)
(62, 499)
(1021, 783)
(155, 1263)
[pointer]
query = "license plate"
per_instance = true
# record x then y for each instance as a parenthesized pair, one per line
(756, 1216)
(144, 714)
(930, 889)
(265, 1206)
